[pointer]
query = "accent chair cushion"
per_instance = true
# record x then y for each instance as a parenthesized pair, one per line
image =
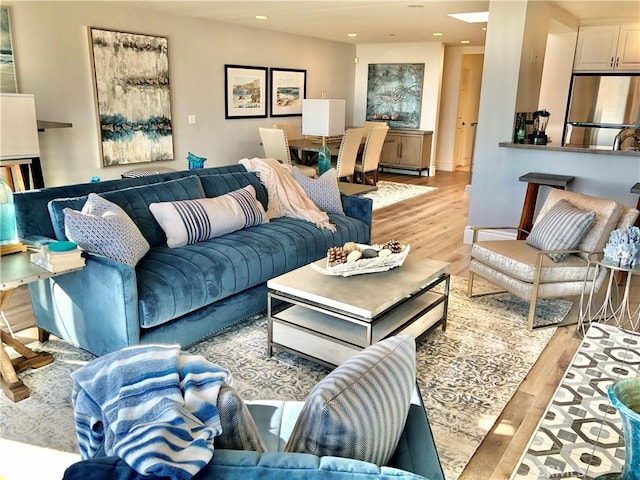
(105, 228)
(562, 228)
(359, 409)
(323, 191)
(239, 431)
(191, 221)
(607, 212)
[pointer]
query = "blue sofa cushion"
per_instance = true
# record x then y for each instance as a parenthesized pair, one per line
(216, 185)
(359, 409)
(175, 281)
(135, 201)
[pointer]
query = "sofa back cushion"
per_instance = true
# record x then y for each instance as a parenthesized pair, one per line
(216, 185)
(135, 202)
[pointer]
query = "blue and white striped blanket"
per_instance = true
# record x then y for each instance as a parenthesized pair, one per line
(151, 405)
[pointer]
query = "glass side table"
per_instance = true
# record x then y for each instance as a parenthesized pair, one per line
(616, 307)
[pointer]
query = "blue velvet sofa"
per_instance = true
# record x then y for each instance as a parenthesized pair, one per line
(173, 295)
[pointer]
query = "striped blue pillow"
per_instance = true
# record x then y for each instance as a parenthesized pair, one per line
(239, 430)
(191, 221)
(359, 410)
(562, 228)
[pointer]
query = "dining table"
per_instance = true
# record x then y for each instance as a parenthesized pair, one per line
(304, 150)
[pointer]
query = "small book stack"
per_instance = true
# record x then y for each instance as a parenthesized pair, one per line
(58, 261)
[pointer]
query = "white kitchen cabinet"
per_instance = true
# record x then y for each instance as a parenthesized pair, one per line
(407, 149)
(608, 47)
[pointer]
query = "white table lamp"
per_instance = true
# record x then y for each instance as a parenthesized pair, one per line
(323, 118)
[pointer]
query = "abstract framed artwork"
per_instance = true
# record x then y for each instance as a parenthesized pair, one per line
(131, 73)
(288, 88)
(245, 91)
(8, 80)
(394, 93)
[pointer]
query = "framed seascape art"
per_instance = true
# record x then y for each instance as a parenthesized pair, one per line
(288, 88)
(131, 73)
(245, 91)
(8, 82)
(394, 93)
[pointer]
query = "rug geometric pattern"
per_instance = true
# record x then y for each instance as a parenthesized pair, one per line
(580, 435)
(466, 374)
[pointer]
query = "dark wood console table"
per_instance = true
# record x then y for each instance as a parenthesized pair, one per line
(534, 181)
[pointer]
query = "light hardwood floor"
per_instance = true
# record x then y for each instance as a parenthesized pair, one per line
(434, 224)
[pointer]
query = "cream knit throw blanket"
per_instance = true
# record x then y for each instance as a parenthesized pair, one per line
(286, 196)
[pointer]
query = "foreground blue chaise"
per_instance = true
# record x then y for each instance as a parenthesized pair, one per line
(173, 295)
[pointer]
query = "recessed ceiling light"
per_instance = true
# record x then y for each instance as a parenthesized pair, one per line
(352, 34)
(465, 41)
(471, 17)
(415, 5)
(437, 34)
(261, 17)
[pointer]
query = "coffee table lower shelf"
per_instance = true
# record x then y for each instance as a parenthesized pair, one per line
(330, 337)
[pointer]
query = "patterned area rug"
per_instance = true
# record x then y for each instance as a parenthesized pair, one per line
(580, 435)
(389, 193)
(466, 374)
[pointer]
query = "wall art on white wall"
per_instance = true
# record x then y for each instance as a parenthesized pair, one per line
(394, 93)
(131, 73)
(8, 80)
(245, 91)
(288, 87)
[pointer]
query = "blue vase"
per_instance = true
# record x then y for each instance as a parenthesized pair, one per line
(195, 161)
(8, 232)
(324, 159)
(625, 397)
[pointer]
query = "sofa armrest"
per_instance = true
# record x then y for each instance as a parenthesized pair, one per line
(358, 207)
(95, 308)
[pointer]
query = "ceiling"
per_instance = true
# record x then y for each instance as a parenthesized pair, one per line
(375, 21)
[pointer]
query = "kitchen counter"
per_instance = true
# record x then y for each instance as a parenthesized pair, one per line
(558, 148)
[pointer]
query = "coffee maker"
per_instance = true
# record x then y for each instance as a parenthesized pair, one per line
(540, 122)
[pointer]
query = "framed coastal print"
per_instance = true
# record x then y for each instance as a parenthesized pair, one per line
(245, 91)
(131, 80)
(8, 81)
(394, 93)
(288, 88)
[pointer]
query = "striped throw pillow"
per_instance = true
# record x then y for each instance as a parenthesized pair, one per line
(239, 430)
(359, 410)
(562, 228)
(191, 221)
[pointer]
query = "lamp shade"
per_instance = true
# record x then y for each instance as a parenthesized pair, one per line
(323, 117)
(18, 126)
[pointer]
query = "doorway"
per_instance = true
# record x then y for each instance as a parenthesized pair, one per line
(467, 113)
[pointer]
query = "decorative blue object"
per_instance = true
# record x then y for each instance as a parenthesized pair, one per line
(623, 247)
(324, 158)
(195, 161)
(625, 397)
(62, 246)
(8, 232)
(94, 179)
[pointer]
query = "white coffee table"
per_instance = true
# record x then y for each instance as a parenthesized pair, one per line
(328, 319)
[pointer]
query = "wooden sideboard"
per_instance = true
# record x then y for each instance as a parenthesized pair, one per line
(407, 149)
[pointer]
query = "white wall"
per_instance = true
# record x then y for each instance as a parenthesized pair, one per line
(53, 62)
(497, 195)
(431, 54)
(449, 104)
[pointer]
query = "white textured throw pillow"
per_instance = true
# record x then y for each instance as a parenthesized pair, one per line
(105, 228)
(562, 228)
(323, 191)
(359, 409)
(191, 221)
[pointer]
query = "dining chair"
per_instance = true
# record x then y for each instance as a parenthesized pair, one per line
(367, 125)
(371, 155)
(292, 129)
(348, 153)
(275, 145)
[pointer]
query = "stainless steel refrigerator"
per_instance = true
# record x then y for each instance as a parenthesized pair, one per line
(603, 112)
